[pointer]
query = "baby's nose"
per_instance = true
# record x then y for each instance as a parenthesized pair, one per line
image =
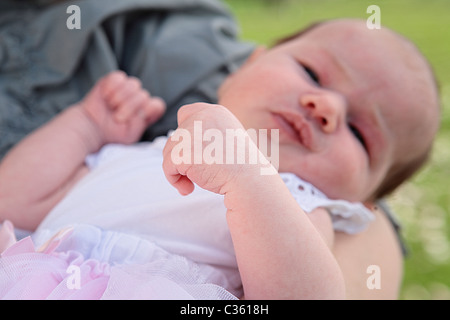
(326, 110)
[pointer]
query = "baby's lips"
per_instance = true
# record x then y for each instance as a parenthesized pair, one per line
(299, 128)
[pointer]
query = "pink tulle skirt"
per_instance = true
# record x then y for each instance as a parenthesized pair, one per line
(53, 272)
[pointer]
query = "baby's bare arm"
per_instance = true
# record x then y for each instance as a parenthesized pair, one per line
(280, 253)
(41, 169)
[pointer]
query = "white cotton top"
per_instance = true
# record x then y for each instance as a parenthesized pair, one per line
(127, 192)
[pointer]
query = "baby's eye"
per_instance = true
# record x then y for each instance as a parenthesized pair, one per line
(358, 135)
(314, 77)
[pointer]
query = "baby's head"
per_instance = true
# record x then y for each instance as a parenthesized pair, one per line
(357, 109)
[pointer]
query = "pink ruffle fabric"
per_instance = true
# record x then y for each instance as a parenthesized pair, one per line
(44, 273)
(30, 274)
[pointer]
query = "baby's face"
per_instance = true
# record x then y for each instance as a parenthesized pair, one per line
(349, 103)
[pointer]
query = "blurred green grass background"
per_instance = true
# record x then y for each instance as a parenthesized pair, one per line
(422, 205)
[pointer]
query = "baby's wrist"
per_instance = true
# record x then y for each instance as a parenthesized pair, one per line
(248, 175)
(250, 187)
(251, 171)
(86, 129)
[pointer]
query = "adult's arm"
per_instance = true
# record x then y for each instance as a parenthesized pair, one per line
(371, 261)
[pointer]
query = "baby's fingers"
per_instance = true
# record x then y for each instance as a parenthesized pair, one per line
(154, 109)
(123, 91)
(143, 106)
(182, 184)
(132, 106)
(174, 175)
(112, 83)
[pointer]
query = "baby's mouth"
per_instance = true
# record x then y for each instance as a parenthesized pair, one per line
(296, 127)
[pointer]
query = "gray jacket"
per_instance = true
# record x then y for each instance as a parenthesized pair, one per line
(180, 49)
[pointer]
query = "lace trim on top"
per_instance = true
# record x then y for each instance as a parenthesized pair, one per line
(348, 217)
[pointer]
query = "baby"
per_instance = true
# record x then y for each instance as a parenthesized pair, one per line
(356, 111)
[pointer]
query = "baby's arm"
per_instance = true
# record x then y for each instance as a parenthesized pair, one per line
(280, 253)
(37, 173)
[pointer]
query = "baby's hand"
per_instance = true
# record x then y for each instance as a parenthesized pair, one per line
(197, 151)
(121, 109)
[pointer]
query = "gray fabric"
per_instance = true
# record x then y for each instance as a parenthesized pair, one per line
(181, 50)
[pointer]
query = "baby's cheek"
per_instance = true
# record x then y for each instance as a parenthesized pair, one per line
(345, 178)
(355, 182)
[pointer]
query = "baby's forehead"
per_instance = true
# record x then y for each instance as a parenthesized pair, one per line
(385, 61)
(352, 37)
